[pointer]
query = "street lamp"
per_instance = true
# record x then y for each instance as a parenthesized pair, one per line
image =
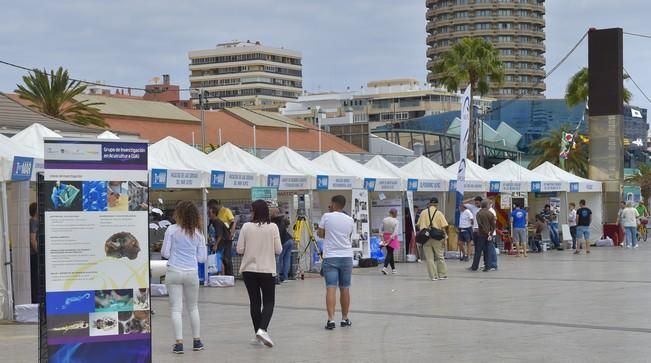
(320, 114)
(203, 98)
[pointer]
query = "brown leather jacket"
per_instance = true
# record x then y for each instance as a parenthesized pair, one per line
(486, 221)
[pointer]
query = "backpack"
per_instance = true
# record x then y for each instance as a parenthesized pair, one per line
(432, 232)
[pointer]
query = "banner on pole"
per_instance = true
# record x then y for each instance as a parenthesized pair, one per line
(463, 150)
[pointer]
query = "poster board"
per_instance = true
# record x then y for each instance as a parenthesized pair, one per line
(360, 214)
(93, 202)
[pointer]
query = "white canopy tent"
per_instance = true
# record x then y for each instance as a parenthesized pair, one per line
(516, 178)
(289, 159)
(381, 164)
(578, 188)
(272, 175)
(108, 135)
(186, 167)
(32, 138)
(373, 180)
(478, 179)
(427, 176)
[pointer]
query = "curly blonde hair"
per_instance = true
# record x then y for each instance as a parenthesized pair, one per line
(186, 215)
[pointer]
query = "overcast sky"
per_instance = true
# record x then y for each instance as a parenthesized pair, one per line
(344, 43)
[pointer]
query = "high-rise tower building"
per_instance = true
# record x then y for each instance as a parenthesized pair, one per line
(515, 27)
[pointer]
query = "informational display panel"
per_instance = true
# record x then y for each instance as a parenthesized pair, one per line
(94, 196)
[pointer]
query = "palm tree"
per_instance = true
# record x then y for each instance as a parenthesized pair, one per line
(548, 148)
(474, 62)
(54, 94)
(577, 88)
(643, 179)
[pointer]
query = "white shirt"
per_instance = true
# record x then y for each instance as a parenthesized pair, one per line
(182, 251)
(495, 214)
(466, 219)
(474, 211)
(629, 217)
(571, 218)
(338, 228)
(390, 225)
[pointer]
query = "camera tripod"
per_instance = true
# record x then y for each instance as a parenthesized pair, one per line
(300, 226)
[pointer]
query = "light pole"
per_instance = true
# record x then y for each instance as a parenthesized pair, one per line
(203, 97)
(319, 114)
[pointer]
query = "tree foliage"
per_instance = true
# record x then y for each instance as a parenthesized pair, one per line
(577, 89)
(548, 148)
(54, 94)
(643, 180)
(474, 62)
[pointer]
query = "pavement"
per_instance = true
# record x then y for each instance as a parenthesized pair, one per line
(551, 307)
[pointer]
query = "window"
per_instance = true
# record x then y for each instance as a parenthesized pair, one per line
(482, 26)
(483, 13)
(506, 51)
(506, 91)
(505, 12)
(461, 14)
(504, 39)
(508, 64)
(505, 25)
(461, 28)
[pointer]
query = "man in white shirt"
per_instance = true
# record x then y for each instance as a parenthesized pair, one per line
(466, 219)
(336, 229)
(571, 221)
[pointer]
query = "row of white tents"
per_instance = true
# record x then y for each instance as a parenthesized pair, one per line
(230, 167)
(174, 164)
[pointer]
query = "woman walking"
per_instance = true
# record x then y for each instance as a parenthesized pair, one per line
(390, 239)
(259, 242)
(184, 247)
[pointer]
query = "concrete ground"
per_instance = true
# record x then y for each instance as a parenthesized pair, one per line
(552, 307)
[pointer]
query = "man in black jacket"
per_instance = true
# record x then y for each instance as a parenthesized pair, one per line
(284, 260)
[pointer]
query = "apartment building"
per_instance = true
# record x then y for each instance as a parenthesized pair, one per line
(246, 74)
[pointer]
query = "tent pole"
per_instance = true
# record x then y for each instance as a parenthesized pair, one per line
(7, 251)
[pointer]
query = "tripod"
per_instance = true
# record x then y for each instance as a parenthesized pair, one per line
(300, 226)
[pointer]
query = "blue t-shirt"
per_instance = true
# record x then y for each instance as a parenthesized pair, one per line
(519, 218)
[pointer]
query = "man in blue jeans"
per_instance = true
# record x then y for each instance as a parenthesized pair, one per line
(336, 228)
(284, 260)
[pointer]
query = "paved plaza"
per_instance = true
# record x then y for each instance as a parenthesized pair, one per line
(552, 307)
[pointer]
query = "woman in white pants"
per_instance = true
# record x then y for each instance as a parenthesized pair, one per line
(184, 246)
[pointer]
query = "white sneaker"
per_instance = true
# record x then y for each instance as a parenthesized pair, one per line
(435, 279)
(394, 272)
(420, 261)
(385, 271)
(636, 246)
(264, 338)
(254, 341)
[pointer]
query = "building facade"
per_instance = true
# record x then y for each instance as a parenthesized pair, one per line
(246, 74)
(515, 27)
(380, 103)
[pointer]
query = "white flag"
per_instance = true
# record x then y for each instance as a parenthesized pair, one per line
(636, 113)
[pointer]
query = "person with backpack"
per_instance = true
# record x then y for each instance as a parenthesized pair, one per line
(434, 249)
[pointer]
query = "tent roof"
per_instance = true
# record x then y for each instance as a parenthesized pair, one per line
(383, 165)
(347, 166)
(231, 155)
(474, 172)
(9, 149)
(291, 160)
(108, 135)
(32, 138)
(171, 153)
(548, 168)
(425, 168)
(508, 170)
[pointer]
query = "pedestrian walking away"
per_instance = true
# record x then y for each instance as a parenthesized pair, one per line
(184, 247)
(630, 218)
(259, 243)
(390, 239)
(486, 222)
(434, 249)
(336, 228)
(584, 218)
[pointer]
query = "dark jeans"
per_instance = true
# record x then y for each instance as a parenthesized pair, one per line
(481, 245)
(389, 260)
(573, 234)
(492, 254)
(227, 257)
(262, 297)
(285, 260)
(33, 277)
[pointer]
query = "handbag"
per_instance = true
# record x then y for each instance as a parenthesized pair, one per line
(432, 232)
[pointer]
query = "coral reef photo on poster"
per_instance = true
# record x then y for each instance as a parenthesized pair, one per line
(122, 244)
(118, 196)
(114, 300)
(134, 322)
